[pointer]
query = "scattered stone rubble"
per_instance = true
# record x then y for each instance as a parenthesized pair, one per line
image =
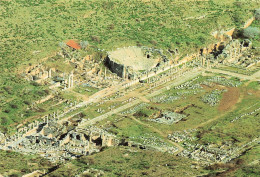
(92, 172)
(134, 109)
(211, 153)
(58, 142)
(222, 81)
(212, 98)
(169, 118)
(233, 50)
(190, 85)
(149, 141)
(180, 136)
(165, 99)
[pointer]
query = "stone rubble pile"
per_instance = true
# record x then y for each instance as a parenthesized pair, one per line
(180, 136)
(211, 153)
(149, 141)
(169, 118)
(222, 81)
(58, 142)
(212, 98)
(165, 99)
(189, 85)
(92, 172)
(134, 109)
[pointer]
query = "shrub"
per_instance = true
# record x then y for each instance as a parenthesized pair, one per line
(153, 42)
(95, 39)
(251, 32)
(83, 44)
(26, 102)
(35, 83)
(8, 89)
(4, 120)
(7, 111)
(14, 106)
(62, 45)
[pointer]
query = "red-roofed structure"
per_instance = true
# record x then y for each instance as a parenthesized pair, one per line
(73, 44)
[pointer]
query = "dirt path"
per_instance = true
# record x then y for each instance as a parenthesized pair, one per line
(180, 148)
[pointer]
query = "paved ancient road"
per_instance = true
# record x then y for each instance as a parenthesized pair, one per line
(190, 75)
(254, 77)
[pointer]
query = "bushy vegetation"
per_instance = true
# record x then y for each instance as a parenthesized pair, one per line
(16, 164)
(16, 95)
(120, 161)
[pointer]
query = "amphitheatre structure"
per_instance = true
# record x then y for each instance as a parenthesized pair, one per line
(128, 61)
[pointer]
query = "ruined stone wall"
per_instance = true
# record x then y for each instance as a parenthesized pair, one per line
(115, 67)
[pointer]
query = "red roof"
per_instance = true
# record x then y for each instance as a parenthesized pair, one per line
(73, 44)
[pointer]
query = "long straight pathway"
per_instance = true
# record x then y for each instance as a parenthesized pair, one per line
(190, 75)
(254, 77)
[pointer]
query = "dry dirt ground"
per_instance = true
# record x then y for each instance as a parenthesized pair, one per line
(230, 98)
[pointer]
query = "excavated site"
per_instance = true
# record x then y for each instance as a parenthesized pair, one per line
(152, 88)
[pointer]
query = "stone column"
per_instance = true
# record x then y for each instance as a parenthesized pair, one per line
(49, 75)
(69, 82)
(124, 72)
(72, 82)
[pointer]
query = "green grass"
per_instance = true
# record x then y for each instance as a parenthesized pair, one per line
(196, 115)
(112, 24)
(254, 85)
(250, 166)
